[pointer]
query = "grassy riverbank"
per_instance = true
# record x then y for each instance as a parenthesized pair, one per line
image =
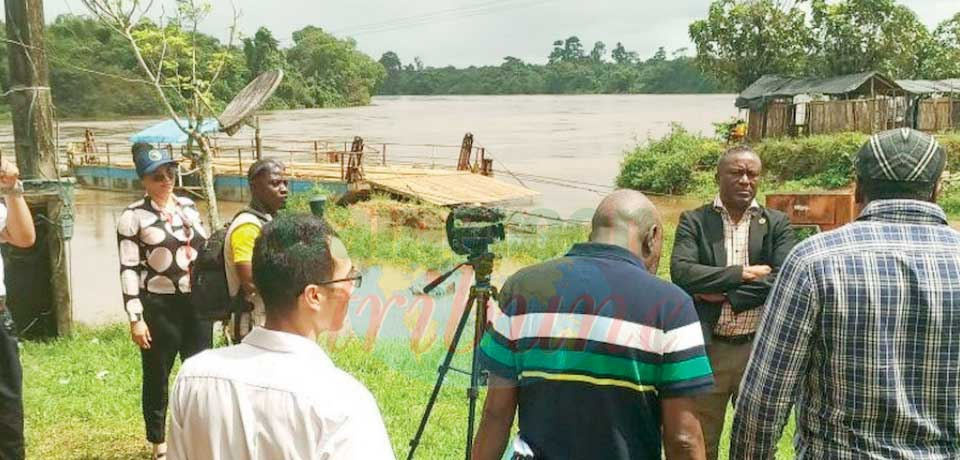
(683, 163)
(82, 396)
(82, 393)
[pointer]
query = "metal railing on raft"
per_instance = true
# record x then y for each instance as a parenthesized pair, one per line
(351, 157)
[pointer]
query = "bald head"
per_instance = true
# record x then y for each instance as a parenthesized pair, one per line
(628, 219)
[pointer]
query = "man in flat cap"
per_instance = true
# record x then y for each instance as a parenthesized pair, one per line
(862, 332)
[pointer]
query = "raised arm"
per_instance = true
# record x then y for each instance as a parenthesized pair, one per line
(18, 229)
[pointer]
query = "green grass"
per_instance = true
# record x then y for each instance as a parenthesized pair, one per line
(82, 396)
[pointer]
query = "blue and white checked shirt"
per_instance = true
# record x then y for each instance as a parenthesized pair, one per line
(862, 332)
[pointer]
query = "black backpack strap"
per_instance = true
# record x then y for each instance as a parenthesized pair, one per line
(259, 215)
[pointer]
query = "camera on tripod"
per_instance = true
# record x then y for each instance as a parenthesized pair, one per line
(470, 232)
(472, 229)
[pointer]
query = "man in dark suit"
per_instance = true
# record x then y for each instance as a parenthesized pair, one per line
(726, 255)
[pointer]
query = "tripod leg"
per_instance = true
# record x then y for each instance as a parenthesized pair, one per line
(442, 372)
(480, 300)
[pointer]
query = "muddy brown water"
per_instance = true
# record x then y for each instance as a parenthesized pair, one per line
(575, 141)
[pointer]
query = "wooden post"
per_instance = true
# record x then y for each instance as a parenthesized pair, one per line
(316, 151)
(239, 161)
(258, 140)
(384, 152)
(32, 111)
(108, 154)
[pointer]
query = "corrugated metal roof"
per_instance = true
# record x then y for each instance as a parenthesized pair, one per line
(772, 86)
(930, 86)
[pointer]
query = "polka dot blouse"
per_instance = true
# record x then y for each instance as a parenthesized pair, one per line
(157, 249)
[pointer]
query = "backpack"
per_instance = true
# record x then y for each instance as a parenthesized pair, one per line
(209, 293)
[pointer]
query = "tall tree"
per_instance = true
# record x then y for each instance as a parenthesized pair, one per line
(740, 41)
(262, 52)
(174, 62)
(945, 59)
(335, 72)
(621, 56)
(598, 53)
(391, 62)
(862, 35)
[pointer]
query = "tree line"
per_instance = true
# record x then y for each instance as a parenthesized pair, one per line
(570, 69)
(739, 41)
(93, 72)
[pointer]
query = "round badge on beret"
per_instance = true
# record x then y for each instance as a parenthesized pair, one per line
(155, 155)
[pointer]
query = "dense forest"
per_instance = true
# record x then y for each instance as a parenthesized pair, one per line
(570, 69)
(739, 41)
(94, 73)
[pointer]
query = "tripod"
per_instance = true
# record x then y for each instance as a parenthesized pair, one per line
(480, 294)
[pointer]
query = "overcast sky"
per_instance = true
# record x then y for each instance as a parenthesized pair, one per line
(465, 32)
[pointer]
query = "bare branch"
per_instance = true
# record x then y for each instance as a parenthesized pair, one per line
(234, 26)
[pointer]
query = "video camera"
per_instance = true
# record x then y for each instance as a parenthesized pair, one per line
(471, 229)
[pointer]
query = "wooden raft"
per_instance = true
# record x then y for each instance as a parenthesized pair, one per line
(442, 187)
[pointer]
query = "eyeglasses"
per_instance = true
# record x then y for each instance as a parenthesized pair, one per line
(353, 275)
(164, 174)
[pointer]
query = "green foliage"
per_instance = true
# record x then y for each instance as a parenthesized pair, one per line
(951, 143)
(82, 399)
(858, 36)
(684, 163)
(387, 243)
(668, 165)
(821, 161)
(334, 71)
(740, 41)
(945, 62)
(570, 70)
(94, 73)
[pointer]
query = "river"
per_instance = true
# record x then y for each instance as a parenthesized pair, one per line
(577, 140)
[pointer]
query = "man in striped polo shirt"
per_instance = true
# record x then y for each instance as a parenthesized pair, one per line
(595, 351)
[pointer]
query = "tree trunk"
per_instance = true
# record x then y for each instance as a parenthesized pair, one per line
(205, 162)
(29, 97)
(39, 286)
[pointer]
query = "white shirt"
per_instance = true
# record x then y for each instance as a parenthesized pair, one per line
(275, 396)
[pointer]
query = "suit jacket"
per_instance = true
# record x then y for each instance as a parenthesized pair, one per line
(698, 263)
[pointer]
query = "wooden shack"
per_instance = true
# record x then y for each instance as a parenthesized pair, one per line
(936, 103)
(785, 106)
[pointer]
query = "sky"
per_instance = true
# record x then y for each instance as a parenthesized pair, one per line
(477, 32)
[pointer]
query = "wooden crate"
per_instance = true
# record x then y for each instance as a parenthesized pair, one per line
(826, 211)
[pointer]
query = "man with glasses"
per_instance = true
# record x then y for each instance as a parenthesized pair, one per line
(268, 190)
(277, 394)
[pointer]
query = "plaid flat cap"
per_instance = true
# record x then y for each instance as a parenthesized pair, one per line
(901, 155)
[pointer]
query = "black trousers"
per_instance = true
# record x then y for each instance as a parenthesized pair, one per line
(11, 390)
(175, 329)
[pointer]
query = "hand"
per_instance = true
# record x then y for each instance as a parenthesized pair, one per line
(755, 272)
(9, 174)
(711, 298)
(140, 334)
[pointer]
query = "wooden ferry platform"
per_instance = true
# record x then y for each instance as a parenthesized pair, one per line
(471, 181)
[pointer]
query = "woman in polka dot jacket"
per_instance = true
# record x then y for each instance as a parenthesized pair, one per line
(158, 237)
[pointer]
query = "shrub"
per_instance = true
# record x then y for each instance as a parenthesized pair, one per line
(667, 165)
(951, 143)
(821, 161)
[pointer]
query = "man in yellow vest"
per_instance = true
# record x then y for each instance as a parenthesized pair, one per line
(268, 189)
